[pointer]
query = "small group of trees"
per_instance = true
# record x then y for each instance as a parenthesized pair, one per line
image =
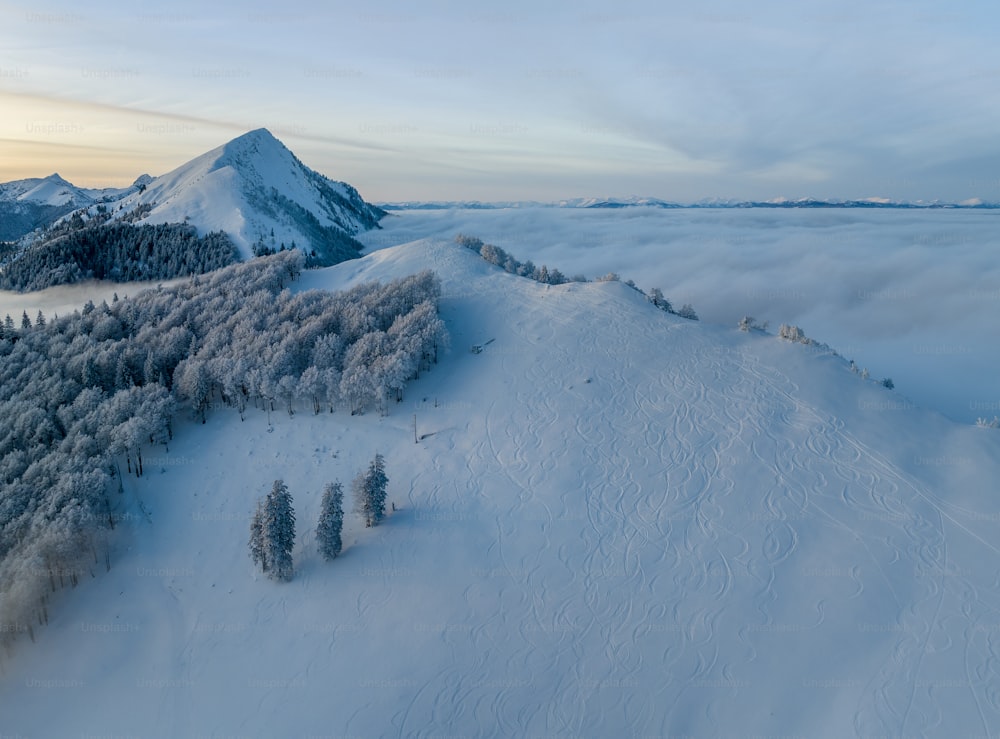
(495, 255)
(794, 334)
(864, 374)
(272, 526)
(749, 323)
(797, 335)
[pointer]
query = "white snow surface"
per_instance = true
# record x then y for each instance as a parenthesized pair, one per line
(616, 523)
(211, 192)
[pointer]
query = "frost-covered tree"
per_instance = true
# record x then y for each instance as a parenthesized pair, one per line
(657, 298)
(258, 549)
(331, 521)
(369, 489)
(195, 384)
(749, 323)
(687, 311)
(793, 333)
(275, 533)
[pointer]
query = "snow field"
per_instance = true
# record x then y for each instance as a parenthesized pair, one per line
(617, 523)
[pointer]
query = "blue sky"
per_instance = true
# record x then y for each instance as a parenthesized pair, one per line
(521, 100)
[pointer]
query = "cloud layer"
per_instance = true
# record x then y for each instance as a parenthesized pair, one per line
(912, 295)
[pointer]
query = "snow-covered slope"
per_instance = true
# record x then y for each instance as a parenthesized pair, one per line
(615, 523)
(257, 191)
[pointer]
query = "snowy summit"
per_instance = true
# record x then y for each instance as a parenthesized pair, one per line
(258, 192)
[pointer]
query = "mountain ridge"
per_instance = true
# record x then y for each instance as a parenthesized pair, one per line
(650, 202)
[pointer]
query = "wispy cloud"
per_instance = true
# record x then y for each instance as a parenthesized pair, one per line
(721, 100)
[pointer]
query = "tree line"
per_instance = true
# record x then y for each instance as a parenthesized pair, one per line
(495, 255)
(82, 395)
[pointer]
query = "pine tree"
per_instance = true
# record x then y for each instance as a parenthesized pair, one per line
(369, 490)
(657, 298)
(377, 483)
(279, 531)
(362, 503)
(687, 311)
(258, 551)
(331, 521)
(272, 533)
(25, 321)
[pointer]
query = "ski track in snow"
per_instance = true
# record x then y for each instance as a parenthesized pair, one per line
(634, 530)
(656, 524)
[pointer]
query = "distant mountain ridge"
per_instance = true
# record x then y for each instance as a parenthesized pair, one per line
(640, 202)
(26, 205)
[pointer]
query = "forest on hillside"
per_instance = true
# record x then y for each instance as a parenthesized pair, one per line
(86, 394)
(78, 250)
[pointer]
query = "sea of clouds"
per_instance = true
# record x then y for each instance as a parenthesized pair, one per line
(911, 294)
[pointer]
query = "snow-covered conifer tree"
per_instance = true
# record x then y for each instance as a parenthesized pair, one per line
(369, 489)
(687, 311)
(331, 521)
(377, 484)
(657, 298)
(272, 533)
(279, 531)
(258, 551)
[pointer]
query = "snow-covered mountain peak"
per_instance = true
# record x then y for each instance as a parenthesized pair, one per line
(257, 191)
